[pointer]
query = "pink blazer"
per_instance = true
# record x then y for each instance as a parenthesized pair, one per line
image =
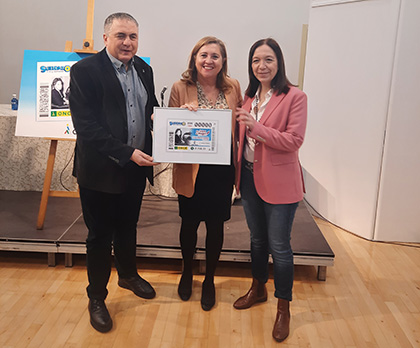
(279, 134)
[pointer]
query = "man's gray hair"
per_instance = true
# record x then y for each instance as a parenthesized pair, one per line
(118, 15)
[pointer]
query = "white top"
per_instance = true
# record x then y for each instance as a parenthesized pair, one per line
(256, 113)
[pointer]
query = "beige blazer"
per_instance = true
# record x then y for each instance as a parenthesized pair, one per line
(184, 175)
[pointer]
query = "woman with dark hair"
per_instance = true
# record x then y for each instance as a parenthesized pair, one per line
(178, 137)
(204, 191)
(58, 100)
(272, 125)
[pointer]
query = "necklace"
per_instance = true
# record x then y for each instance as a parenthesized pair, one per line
(257, 101)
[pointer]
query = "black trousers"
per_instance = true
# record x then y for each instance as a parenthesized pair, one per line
(111, 220)
(214, 243)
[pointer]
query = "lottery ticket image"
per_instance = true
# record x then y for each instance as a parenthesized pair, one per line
(188, 135)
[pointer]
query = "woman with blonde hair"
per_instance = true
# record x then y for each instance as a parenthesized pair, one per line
(204, 191)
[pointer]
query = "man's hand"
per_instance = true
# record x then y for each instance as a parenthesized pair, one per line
(142, 159)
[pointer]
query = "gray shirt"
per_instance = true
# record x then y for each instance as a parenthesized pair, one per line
(135, 100)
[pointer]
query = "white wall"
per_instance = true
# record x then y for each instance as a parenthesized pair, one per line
(398, 210)
(168, 31)
(358, 69)
(35, 25)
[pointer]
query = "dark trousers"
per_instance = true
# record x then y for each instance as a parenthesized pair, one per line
(111, 220)
(214, 243)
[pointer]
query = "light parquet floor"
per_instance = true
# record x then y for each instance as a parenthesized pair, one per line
(371, 298)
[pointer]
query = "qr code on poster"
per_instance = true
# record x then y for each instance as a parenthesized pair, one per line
(44, 100)
(171, 140)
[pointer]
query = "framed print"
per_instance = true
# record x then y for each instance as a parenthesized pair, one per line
(183, 136)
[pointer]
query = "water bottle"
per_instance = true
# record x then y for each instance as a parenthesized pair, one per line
(14, 102)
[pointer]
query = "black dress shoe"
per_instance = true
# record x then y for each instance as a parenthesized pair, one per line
(208, 295)
(185, 287)
(138, 285)
(99, 315)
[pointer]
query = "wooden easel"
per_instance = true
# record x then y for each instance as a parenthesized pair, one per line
(46, 191)
(303, 46)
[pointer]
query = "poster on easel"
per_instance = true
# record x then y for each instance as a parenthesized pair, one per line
(43, 99)
(45, 80)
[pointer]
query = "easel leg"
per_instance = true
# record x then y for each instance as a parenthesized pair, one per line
(47, 185)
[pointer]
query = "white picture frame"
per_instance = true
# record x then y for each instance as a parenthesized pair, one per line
(183, 136)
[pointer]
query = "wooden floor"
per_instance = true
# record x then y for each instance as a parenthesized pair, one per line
(371, 299)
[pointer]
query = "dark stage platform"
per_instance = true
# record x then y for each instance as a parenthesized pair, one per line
(64, 231)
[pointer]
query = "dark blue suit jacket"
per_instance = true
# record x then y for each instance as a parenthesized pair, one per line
(97, 104)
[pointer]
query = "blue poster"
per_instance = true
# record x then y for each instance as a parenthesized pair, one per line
(43, 98)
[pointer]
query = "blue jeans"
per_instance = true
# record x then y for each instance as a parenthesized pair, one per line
(270, 226)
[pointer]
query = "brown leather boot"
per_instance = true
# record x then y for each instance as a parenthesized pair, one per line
(282, 323)
(257, 293)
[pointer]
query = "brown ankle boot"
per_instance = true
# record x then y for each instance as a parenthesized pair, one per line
(282, 323)
(257, 293)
